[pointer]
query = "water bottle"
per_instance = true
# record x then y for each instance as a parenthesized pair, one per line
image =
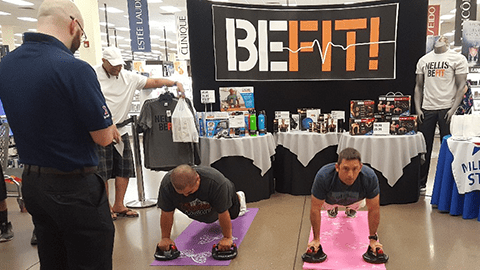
(253, 123)
(261, 123)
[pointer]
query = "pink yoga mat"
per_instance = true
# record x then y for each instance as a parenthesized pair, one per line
(196, 241)
(344, 240)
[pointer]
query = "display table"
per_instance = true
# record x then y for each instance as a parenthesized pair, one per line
(396, 161)
(246, 161)
(446, 190)
(299, 155)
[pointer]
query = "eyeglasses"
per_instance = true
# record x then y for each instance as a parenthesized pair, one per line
(84, 36)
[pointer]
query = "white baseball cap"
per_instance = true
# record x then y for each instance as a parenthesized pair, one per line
(113, 55)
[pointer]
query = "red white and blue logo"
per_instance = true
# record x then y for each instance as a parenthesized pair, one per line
(106, 113)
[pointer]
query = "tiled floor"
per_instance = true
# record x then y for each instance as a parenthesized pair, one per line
(415, 236)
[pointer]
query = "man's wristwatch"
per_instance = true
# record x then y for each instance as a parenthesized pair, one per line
(373, 237)
(175, 83)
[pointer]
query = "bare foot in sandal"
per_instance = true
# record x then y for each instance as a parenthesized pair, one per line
(127, 212)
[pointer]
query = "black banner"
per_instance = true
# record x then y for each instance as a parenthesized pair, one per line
(466, 10)
(325, 43)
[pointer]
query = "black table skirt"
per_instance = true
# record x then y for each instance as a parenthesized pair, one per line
(407, 188)
(246, 177)
(292, 177)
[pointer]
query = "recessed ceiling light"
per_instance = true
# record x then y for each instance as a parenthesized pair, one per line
(27, 19)
(18, 2)
(170, 9)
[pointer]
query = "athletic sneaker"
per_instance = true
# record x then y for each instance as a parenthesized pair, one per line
(243, 203)
(350, 212)
(6, 232)
(332, 212)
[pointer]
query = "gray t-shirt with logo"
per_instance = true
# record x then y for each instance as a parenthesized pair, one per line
(214, 195)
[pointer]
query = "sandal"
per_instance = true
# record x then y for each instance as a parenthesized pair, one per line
(127, 213)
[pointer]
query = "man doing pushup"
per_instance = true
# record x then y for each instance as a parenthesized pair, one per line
(348, 184)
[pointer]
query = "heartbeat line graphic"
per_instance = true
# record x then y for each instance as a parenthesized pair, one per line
(330, 44)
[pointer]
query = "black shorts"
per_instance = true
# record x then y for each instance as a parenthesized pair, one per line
(111, 164)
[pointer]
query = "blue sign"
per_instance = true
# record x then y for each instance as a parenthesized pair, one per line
(139, 28)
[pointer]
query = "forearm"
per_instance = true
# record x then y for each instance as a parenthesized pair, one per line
(373, 220)
(315, 220)
(161, 82)
(226, 224)
(166, 223)
(458, 97)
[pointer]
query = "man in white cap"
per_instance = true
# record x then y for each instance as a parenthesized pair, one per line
(118, 86)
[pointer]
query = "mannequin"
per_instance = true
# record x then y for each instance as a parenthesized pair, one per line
(440, 79)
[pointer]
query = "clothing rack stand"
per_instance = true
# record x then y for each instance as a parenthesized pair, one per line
(141, 202)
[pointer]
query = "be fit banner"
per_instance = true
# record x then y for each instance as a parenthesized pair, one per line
(258, 44)
(139, 27)
(433, 23)
(466, 10)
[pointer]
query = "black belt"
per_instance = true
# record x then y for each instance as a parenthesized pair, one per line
(48, 170)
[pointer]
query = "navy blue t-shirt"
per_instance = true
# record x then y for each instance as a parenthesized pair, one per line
(327, 186)
(52, 101)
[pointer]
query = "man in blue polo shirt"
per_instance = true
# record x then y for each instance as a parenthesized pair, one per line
(57, 112)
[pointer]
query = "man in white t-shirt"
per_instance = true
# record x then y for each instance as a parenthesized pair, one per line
(441, 77)
(118, 87)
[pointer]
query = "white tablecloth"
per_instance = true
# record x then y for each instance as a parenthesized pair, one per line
(465, 165)
(306, 144)
(258, 148)
(387, 154)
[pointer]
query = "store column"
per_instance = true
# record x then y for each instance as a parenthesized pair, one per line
(7, 37)
(91, 51)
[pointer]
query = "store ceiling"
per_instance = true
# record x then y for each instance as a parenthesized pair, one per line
(160, 19)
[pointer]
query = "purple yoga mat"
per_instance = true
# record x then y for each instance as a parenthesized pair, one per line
(196, 241)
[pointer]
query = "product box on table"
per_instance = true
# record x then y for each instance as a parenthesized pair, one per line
(360, 109)
(394, 104)
(282, 121)
(215, 124)
(404, 125)
(302, 113)
(236, 123)
(361, 126)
